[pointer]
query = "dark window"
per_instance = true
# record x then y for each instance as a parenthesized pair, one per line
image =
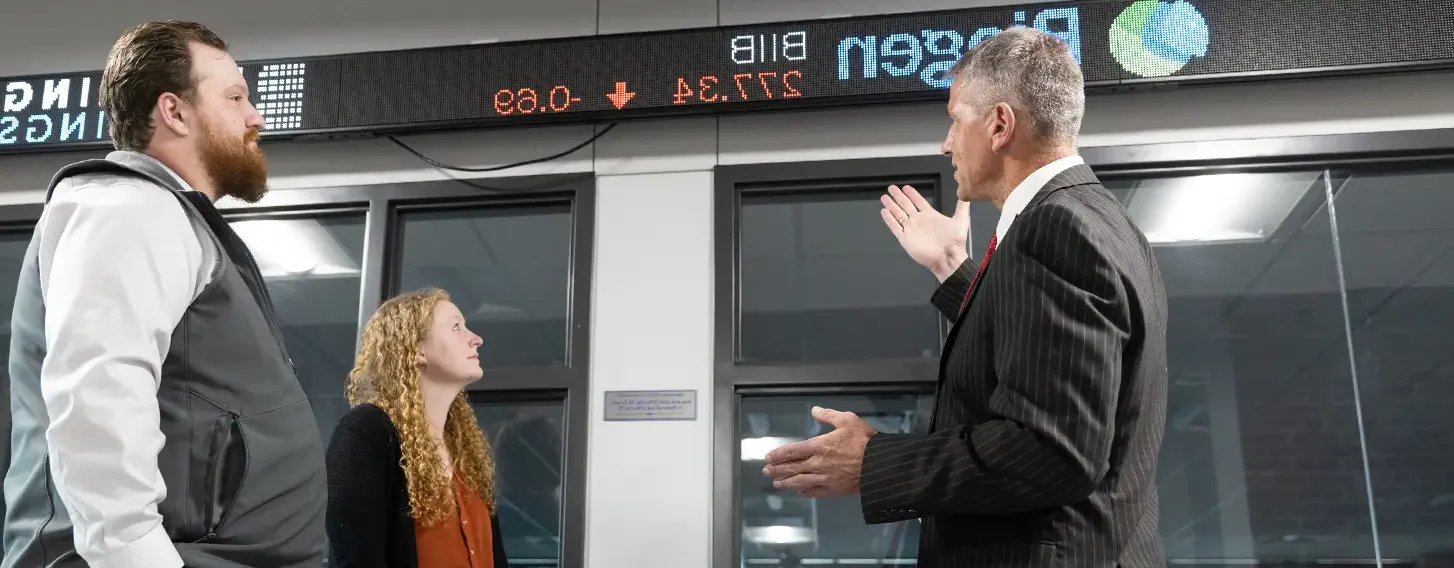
(13, 243)
(526, 437)
(516, 266)
(822, 280)
(313, 268)
(507, 268)
(817, 304)
(779, 527)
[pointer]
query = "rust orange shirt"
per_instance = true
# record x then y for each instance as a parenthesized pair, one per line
(462, 540)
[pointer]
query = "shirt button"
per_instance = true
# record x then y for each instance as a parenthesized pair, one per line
(466, 523)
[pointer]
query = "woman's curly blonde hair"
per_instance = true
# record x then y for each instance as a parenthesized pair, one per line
(386, 374)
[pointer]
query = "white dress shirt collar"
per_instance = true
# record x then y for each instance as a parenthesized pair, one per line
(1022, 194)
(134, 158)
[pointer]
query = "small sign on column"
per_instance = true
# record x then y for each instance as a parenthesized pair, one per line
(651, 405)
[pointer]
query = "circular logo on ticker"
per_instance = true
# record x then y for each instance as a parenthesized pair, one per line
(1155, 38)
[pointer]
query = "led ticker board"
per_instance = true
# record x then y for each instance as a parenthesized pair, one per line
(64, 111)
(862, 60)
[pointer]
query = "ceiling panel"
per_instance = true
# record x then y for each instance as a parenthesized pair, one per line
(1397, 202)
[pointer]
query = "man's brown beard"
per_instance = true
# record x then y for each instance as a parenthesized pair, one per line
(235, 166)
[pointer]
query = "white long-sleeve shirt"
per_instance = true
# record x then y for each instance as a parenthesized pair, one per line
(120, 262)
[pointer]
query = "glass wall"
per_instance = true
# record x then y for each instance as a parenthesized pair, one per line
(1395, 238)
(1311, 383)
(1261, 457)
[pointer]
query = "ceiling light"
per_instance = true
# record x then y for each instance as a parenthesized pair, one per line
(487, 310)
(295, 247)
(756, 449)
(297, 263)
(778, 534)
(1216, 208)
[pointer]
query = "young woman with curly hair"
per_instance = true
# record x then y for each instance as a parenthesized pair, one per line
(410, 477)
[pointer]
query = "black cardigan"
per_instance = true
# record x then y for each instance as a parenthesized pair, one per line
(368, 500)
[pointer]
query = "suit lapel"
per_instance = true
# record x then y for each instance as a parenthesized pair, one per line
(1074, 176)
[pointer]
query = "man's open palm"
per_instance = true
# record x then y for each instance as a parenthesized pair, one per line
(934, 240)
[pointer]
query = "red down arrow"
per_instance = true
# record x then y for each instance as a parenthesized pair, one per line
(621, 96)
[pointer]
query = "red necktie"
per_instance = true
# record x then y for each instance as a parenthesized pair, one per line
(983, 262)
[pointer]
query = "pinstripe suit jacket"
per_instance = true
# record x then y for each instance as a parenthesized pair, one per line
(1051, 402)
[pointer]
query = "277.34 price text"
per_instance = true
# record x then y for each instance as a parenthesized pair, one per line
(742, 87)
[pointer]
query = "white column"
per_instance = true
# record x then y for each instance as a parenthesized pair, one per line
(649, 483)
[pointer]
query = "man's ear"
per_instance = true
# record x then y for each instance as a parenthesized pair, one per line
(173, 114)
(1001, 125)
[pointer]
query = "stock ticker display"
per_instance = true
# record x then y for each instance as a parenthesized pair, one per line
(858, 60)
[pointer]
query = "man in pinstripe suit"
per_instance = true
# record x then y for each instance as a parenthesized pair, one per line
(1051, 403)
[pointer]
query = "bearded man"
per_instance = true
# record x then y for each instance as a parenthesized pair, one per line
(157, 419)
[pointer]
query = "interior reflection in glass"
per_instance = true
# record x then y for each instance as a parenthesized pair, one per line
(785, 528)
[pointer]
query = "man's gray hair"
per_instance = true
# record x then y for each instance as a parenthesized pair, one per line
(1034, 73)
